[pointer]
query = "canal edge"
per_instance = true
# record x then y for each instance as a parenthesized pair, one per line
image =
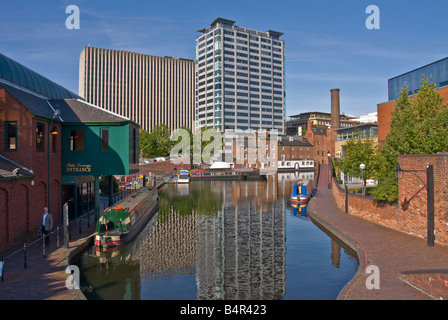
(80, 247)
(355, 246)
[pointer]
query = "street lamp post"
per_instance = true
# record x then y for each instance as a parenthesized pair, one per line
(398, 171)
(362, 167)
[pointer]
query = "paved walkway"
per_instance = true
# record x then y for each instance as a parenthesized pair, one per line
(393, 252)
(44, 276)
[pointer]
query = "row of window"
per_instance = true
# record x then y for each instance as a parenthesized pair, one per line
(11, 143)
(76, 138)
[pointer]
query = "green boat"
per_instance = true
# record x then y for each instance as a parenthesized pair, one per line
(112, 227)
(119, 224)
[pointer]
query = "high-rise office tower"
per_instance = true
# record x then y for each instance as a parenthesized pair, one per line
(149, 90)
(240, 78)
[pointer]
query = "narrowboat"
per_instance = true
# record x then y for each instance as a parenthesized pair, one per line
(213, 174)
(301, 192)
(120, 225)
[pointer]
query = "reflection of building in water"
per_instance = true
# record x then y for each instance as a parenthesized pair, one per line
(241, 251)
(171, 246)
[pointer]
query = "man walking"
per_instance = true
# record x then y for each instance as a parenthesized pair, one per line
(47, 224)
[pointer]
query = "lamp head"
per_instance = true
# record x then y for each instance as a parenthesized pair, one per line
(398, 172)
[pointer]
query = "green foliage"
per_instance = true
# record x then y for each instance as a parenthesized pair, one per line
(360, 151)
(145, 144)
(418, 126)
(156, 143)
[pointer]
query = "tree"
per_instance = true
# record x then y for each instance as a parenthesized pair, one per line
(145, 145)
(360, 150)
(156, 143)
(418, 126)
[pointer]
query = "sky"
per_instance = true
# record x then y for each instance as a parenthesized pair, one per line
(327, 43)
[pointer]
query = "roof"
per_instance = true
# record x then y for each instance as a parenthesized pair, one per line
(368, 125)
(322, 131)
(295, 141)
(7, 167)
(36, 104)
(227, 21)
(17, 73)
(77, 110)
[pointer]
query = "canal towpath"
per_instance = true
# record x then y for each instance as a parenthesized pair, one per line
(44, 277)
(394, 253)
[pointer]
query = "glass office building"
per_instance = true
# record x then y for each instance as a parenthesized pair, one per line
(240, 78)
(437, 70)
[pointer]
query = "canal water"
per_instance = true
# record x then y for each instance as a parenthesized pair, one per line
(224, 240)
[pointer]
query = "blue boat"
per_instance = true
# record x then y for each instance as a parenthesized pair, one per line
(301, 192)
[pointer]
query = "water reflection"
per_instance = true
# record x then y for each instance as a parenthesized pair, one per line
(212, 240)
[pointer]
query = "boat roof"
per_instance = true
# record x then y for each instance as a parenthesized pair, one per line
(116, 215)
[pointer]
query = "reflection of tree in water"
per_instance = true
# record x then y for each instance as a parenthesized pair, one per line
(198, 200)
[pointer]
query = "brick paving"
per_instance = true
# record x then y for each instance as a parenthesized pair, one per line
(393, 252)
(44, 276)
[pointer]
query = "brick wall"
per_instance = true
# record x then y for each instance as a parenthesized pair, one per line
(412, 182)
(411, 220)
(367, 208)
(22, 201)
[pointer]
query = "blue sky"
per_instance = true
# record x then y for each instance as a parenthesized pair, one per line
(327, 43)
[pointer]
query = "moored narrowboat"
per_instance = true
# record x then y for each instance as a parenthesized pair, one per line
(119, 224)
(301, 192)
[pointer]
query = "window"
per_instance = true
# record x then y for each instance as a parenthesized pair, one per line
(11, 136)
(76, 140)
(40, 132)
(104, 139)
(54, 142)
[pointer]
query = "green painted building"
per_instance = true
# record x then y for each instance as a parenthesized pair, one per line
(94, 143)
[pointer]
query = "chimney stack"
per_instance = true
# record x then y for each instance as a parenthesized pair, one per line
(335, 109)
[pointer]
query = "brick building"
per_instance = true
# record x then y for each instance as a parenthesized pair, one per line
(43, 150)
(29, 141)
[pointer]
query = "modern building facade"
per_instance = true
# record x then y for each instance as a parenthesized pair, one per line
(240, 78)
(437, 70)
(147, 89)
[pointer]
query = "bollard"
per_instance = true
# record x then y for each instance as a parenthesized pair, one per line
(80, 224)
(346, 199)
(24, 256)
